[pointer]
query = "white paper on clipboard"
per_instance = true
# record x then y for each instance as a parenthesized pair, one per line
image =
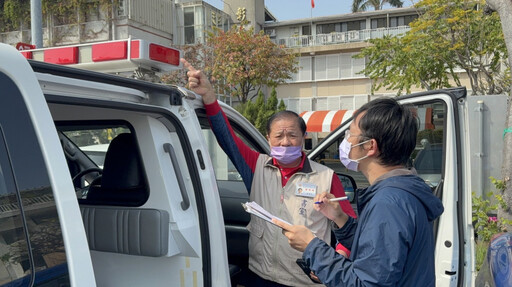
(254, 208)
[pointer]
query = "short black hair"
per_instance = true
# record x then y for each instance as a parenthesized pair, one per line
(392, 125)
(287, 114)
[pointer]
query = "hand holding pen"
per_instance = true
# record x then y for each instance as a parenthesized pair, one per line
(329, 206)
(336, 199)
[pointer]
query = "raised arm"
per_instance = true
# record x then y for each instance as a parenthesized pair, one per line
(242, 156)
(199, 83)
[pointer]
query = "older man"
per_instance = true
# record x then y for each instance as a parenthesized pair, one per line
(284, 183)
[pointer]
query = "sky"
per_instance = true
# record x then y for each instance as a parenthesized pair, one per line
(298, 9)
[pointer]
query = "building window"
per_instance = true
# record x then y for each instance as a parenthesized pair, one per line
(188, 21)
(379, 23)
(350, 67)
(401, 21)
(410, 18)
(294, 31)
(194, 24)
(327, 67)
(299, 105)
(306, 30)
(226, 24)
(353, 26)
(325, 28)
(320, 68)
(304, 73)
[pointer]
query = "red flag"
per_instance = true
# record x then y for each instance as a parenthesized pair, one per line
(312, 3)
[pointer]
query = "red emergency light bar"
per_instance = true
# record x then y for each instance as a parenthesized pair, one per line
(112, 56)
(109, 51)
(62, 56)
(164, 54)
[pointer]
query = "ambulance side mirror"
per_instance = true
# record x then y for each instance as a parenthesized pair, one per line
(349, 185)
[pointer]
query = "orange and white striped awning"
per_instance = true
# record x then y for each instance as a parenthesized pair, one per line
(325, 121)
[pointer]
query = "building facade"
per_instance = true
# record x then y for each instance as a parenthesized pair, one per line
(166, 22)
(329, 77)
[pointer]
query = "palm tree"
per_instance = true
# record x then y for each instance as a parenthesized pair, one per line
(363, 5)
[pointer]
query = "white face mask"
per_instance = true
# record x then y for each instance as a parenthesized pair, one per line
(345, 147)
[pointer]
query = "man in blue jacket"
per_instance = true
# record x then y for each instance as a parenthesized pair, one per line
(392, 241)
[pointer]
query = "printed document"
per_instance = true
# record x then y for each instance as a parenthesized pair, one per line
(254, 208)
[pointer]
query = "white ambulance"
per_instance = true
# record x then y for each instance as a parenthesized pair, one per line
(161, 207)
(157, 218)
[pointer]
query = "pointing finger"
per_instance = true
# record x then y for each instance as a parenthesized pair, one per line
(187, 65)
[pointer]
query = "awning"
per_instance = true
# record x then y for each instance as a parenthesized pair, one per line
(325, 121)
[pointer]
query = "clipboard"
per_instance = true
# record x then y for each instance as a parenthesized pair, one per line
(254, 208)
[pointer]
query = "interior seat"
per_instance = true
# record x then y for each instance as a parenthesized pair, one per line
(123, 182)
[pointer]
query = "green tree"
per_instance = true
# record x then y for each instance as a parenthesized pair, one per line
(363, 5)
(244, 62)
(260, 111)
(448, 36)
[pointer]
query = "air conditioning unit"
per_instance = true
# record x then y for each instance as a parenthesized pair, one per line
(271, 32)
(340, 37)
(353, 35)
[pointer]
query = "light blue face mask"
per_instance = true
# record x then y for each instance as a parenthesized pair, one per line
(345, 147)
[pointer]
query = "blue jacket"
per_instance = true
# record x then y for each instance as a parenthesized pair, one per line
(392, 242)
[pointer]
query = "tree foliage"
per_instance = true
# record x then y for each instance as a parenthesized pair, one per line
(243, 62)
(363, 5)
(259, 111)
(15, 13)
(199, 55)
(446, 37)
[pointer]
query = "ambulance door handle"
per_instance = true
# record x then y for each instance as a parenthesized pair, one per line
(181, 184)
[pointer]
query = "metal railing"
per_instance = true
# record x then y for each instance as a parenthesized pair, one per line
(340, 37)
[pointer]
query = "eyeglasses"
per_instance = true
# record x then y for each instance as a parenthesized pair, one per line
(347, 134)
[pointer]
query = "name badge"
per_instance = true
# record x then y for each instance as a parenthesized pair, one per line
(305, 189)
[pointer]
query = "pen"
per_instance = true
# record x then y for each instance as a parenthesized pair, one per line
(333, 199)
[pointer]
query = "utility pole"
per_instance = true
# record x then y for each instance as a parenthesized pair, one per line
(36, 23)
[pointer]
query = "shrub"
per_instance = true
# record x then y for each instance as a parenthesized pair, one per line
(485, 221)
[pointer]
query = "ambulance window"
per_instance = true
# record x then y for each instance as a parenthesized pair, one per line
(97, 152)
(93, 140)
(31, 243)
(223, 166)
(427, 158)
